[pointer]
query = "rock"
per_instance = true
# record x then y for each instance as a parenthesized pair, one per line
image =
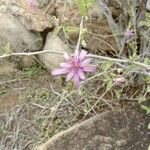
(7, 68)
(99, 36)
(14, 34)
(117, 130)
(27, 61)
(148, 5)
(32, 18)
(54, 43)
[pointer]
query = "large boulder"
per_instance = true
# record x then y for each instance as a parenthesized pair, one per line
(118, 130)
(14, 34)
(32, 18)
(21, 26)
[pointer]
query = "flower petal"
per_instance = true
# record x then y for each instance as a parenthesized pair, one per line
(90, 68)
(65, 65)
(76, 81)
(66, 56)
(81, 74)
(85, 62)
(83, 54)
(59, 71)
(32, 3)
(70, 75)
(76, 55)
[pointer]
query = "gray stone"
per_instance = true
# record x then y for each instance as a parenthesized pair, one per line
(14, 34)
(53, 43)
(118, 130)
(148, 5)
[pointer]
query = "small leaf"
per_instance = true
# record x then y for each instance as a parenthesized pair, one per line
(109, 85)
(83, 6)
(149, 126)
(7, 49)
(118, 93)
(71, 29)
(83, 43)
(146, 108)
(57, 29)
(141, 99)
(106, 65)
(148, 89)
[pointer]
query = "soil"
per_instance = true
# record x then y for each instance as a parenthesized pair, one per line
(33, 102)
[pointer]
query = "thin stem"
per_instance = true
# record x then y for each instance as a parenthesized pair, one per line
(90, 55)
(31, 53)
(79, 40)
(120, 60)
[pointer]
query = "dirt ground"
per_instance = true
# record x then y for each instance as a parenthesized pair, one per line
(33, 107)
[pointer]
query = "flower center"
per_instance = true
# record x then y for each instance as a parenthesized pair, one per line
(76, 66)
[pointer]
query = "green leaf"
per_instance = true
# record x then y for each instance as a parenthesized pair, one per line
(118, 93)
(146, 108)
(83, 6)
(109, 84)
(57, 29)
(149, 147)
(71, 29)
(149, 126)
(7, 49)
(83, 43)
(141, 99)
(148, 89)
(106, 65)
(146, 22)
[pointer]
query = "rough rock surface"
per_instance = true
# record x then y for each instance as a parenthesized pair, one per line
(6, 68)
(20, 25)
(54, 43)
(118, 130)
(148, 5)
(12, 32)
(99, 36)
(32, 18)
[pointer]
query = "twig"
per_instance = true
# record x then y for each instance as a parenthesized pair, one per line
(90, 55)
(120, 60)
(30, 53)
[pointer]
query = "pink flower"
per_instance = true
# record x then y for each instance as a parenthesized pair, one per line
(32, 3)
(119, 80)
(75, 66)
(129, 33)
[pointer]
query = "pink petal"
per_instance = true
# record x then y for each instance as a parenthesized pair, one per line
(85, 62)
(83, 54)
(70, 75)
(59, 71)
(76, 55)
(76, 81)
(65, 65)
(81, 74)
(89, 68)
(32, 3)
(119, 80)
(66, 56)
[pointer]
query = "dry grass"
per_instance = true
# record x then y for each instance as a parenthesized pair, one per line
(43, 108)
